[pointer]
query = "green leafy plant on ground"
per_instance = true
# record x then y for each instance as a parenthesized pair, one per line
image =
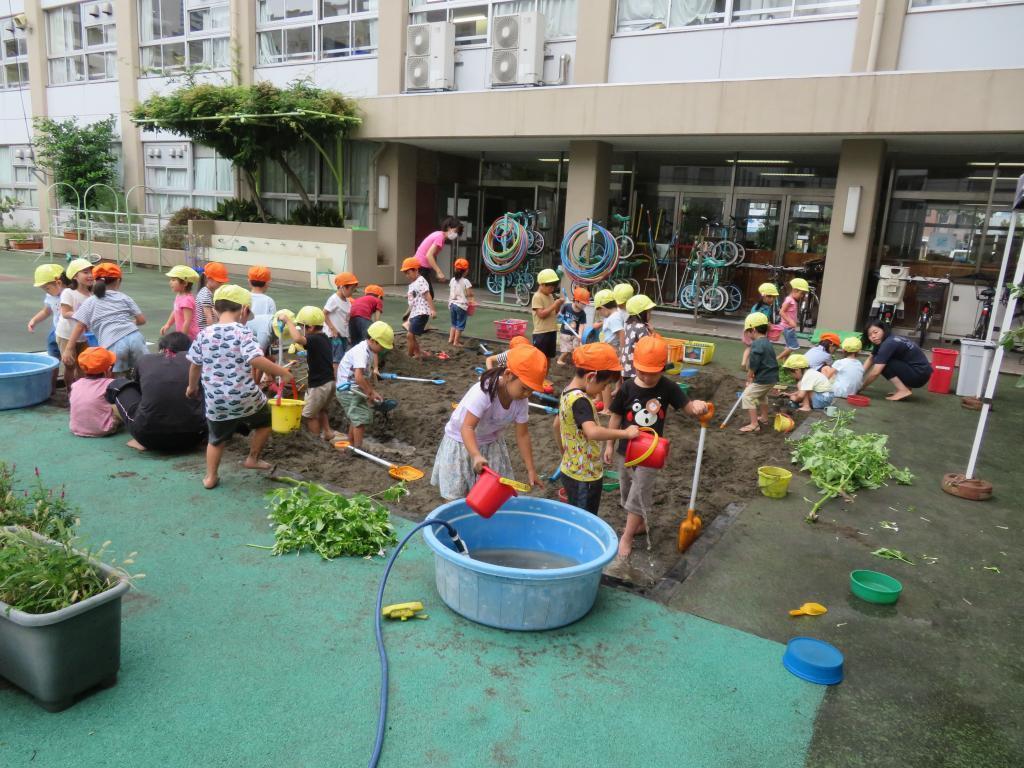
(308, 516)
(842, 462)
(41, 509)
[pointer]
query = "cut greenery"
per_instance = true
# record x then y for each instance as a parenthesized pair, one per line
(842, 462)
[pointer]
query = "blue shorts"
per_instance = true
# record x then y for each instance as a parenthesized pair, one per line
(459, 317)
(418, 324)
(821, 400)
(51, 344)
(339, 346)
(129, 351)
(789, 335)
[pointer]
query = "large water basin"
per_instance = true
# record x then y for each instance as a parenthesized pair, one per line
(563, 548)
(25, 379)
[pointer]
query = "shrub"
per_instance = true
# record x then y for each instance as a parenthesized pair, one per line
(317, 215)
(173, 234)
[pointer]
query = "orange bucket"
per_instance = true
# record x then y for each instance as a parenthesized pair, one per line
(675, 350)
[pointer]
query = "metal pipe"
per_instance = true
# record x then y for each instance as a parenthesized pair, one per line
(992, 327)
(876, 36)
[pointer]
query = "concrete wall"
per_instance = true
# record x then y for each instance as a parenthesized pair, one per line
(355, 77)
(965, 38)
(89, 102)
(16, 111)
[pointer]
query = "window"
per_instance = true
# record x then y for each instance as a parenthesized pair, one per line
(180, 34)
(181, 176)
(303, 30)
(472, 19)
(653, 15)
(13, 55)
(16, 178)
(81, 43)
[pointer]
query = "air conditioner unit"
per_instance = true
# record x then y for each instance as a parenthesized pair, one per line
(517, 55)
(430, 57)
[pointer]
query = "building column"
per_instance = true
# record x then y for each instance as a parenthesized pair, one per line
(594, 29)
(861, 164)
(876, 43)
(242, 19)
(396, 226)
(392, 22)
(127, 14)
(38, 77)
(587, 188)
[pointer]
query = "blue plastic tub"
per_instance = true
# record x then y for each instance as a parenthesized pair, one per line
(814, 660)
(25, 379)
(521, 598)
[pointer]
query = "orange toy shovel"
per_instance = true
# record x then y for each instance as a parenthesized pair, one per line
(689, 529)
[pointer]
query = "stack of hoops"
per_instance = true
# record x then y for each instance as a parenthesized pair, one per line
(589, 253)
(504, 246)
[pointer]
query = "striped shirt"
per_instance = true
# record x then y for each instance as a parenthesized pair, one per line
(110, 318)
(204, 298)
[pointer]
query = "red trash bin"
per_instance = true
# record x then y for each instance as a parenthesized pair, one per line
(943, 365)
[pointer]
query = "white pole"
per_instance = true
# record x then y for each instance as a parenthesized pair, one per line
(1002, 278)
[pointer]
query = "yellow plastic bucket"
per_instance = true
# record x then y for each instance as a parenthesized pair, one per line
(773, 481)
(287, 416)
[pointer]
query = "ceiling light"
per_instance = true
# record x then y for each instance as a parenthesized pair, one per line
(761, 162)
(989, 178)
(1001, 165)
(466, 19)
(553, 159)
(621, 172)
(787, 174)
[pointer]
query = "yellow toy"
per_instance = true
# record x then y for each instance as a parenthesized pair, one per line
(403, 611)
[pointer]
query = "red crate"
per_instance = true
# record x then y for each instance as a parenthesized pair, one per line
(506, 329)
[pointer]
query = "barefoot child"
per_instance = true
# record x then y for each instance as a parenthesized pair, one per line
(320, 387)
(91, 414)
(214, 276)
(500, 360)
(337, 313)
(762, 371)
(572, 317)
(545, 312)
(788, 315)
(421, 308)
(460, 294)
(474, 435)
(113, 317)
(225, 354)
(50, 279)
(644, 401)
(578, 432)
(184, 317)
(814, 389)
(365, 311)
(354, 386)
(847, 372)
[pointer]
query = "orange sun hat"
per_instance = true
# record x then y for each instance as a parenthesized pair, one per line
(650, 354)
(410, 263)
(530, 365)
(833, 337)
(374, 290)
(216, 271)
(596, 357)
(259, 274)
(107, 271)
(461, 264)
(517, 341)
(345, 278)
(94, 360)
(581, 295)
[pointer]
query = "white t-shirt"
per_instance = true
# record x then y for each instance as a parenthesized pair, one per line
(263, 310)
(817, 357)
(849, 376)
(610, 328)
(815, 381)
(493, 417)
(457, 288)
(337, 310)
(360, 356)
(53, 302)
(73, 299)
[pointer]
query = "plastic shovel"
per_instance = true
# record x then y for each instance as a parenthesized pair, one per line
(546, 408)
(689, 529)
(395, 376)
(739, 397)
(548, 398)
(397, 471)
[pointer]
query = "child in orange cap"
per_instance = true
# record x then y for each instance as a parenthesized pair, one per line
(577, 429)
(337, 310)
(501, 359)
(460, 296)
(365, 311)
(263, 307)
(644, 400)
(91, 414)
(214, 275)
(572, 317)
(421, 307)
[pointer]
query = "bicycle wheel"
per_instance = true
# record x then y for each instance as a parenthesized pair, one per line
(687, 296)
(741, 253)
(494, 284)
(808, 316)
(922, 328)
(626, 246)
(530, 279)
(725, 252)
(735, 297)
(523, 294)
(714, 298)
(536, 242)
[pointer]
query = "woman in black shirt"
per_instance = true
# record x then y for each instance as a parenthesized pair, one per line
(898, 359)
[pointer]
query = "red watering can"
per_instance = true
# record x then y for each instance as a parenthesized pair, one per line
(647, 450)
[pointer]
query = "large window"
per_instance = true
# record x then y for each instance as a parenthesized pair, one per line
(303, 30)
(81, 43)
(654, 15)
(179, 175)
(16, 179)
(472, 20)
(13, 55)
(180, 34)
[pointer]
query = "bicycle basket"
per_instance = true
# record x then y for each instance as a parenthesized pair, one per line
(930, 292)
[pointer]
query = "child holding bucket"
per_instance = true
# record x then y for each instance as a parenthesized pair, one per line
(644, 401)
(113, 317)
(474, 435)
(762, 371)
(225, 354)
(354, 386)
(577, 429)
(320, 386)
(184, 317)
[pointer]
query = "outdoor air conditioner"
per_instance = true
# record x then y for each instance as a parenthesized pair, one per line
(517, 55)
(430, 57)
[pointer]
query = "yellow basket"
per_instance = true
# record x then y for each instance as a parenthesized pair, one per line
(698, 352)
(773, 481)
(286, 417)
(675, 350)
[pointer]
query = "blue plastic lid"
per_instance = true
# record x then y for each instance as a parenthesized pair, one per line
(687, 372)
(813, 660)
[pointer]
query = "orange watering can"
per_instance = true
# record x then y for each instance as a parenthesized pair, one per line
(689, 529)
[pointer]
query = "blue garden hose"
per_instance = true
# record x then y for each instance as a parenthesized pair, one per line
(460, 545)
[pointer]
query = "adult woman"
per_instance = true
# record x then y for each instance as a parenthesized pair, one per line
(154, 407)
(432, 244)
(898, 359)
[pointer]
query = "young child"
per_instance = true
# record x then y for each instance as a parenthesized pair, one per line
(644, 401)
(500, 360)
(91, 414)
(214, 276)
(421, 308)
(460, 295)
(638, 326)
(814, 389)
(184, 318)
(474, 435)
(767, 294)
(337, 311)
(847, 372)
(572, 317)
(762, 371)
(365, 311)
(79, 276)
(577, 429)
(354, 386)
(320, 387)
(50, 279)
(225, 353)
(612, 332)
(545, 312)
(263, 307)
(788, 315)
(819, 357)
(113, 317)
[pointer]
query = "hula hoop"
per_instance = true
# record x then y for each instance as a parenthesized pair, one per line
(504, 246)
(589, 253)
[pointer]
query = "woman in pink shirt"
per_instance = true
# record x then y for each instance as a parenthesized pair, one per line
(432, 244)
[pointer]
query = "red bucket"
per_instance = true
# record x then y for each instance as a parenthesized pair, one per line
(775, 331)
(471, 308)
(647, 450)
(489, 493)
(943, 365)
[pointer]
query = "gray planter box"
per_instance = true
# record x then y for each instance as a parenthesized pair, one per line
(56, 656)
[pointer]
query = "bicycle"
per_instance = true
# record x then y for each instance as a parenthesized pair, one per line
(930, 292)
(626, 243)
(807, 311)
(986, 296)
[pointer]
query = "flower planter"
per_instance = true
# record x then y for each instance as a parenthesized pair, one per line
(27, 245)
(56, 656)
(70, 235)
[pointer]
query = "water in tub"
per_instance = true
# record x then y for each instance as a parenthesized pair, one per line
(534, 559)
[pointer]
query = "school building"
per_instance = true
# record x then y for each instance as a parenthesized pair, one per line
(857, 133)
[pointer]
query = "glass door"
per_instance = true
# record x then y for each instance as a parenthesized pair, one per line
(807, 225)
(758, 220)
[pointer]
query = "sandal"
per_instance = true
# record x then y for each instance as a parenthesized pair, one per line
(749, 428)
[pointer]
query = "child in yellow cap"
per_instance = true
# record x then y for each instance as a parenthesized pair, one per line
(815, 388)
(183, 317)
(49, 278)
(320, 363)
(545, 308)
(848, 372)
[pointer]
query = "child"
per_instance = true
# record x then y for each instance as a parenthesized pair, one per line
(788, 315)
(474, 435)
(819, 357)
(847, 372)
(50, 279)
(545, 312)
(460, 295)
(355, 391)
(365, 310)
(765, 304)
(572, 318)
(814, 389)
(644, 401)
(91, 414)
(336, 316)
(214, 276)
(183, 317)
(576, 427)
(225, 354)
(113, 317)
(79, 275)
(421, 308)
(501, 359)
(612, 332)
(263, 307)
(762, 371)
(638, 326)
(320, 386)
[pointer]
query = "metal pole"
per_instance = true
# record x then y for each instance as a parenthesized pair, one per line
(992, 327)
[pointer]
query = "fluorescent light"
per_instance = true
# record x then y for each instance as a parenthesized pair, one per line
(1001, 165)
(465, 19)
(989, 178)
(786, 174)
(621, 172)
(761, 162)
(553, 159)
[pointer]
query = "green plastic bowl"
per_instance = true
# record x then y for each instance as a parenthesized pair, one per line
(611, 480)
(875, 587)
